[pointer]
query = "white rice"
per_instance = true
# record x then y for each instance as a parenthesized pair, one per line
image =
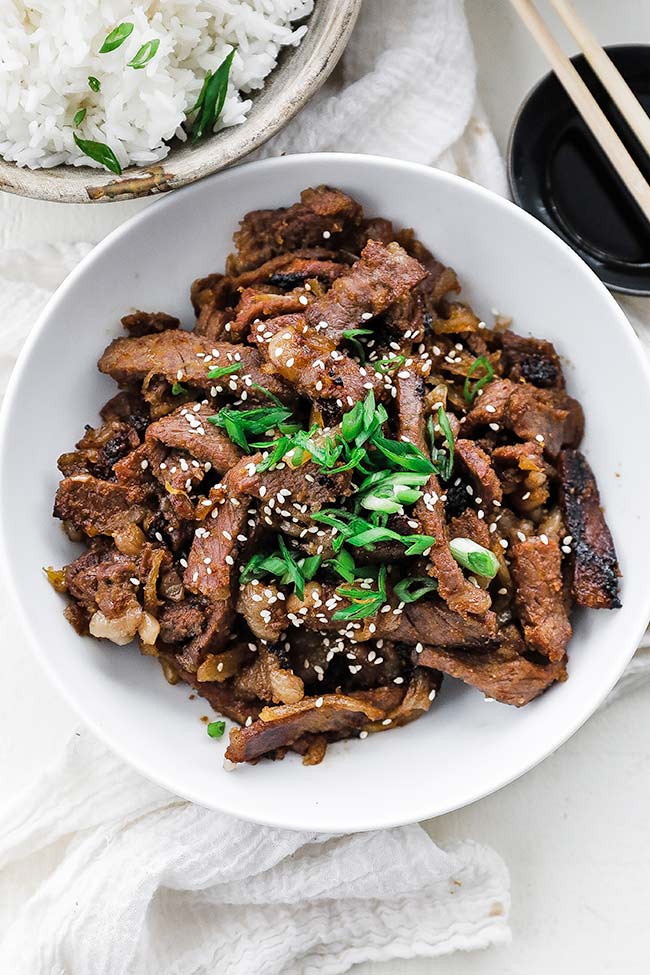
(48, 48)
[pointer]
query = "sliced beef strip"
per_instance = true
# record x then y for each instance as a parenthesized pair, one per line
(99, 449)
(96, 507)
(332, 714)
(82, 575)
(323, 215)
(504, 674)
(432, 622)
(147, 322)
(212, 573)
(469, 525)
(531, 413)
(307, 360)
(256, 305)
(267, 680)
(524, 474)
(533, 360)
(179, 622)
(180, 356)
(411, 423)
(263, 606)
(461, 595)
(383, 275)
(421, 690)
(594, 567)
(536, 568)
(286, 485)
(478, 465)
(188, 428)
(219, 319)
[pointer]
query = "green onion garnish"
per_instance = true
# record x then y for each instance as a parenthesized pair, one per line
(283, 565)
(94, 83)
(413, 588)
(418, 544)
(79, 117)
(224, 370)
(443, 460)
(474, 557)
(351, 335)
(240, 424)
(178, 389)
(100, 153)
(269, 394)
(212, 99)
(404, 454)
(389, 364)
(365, 602)
(145, 54)
(470, 390)
(216, 729)
(116, 38)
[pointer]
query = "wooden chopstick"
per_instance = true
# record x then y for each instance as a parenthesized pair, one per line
(613, 81)
(586, 104)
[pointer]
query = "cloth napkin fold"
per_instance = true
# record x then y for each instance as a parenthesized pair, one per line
(112, 875)
(103, 873)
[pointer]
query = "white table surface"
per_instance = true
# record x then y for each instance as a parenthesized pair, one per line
(575, 831)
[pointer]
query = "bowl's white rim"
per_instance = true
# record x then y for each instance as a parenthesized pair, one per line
(420, 810)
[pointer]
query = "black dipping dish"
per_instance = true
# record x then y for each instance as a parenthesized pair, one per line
(559, 173)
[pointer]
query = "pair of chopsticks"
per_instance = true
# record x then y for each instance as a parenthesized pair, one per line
(618, 89)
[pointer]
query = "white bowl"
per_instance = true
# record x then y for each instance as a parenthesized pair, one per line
(464, 748)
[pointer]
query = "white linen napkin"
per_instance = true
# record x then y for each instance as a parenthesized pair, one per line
(103, 873)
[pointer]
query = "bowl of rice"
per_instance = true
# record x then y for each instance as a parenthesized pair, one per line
(112, 101)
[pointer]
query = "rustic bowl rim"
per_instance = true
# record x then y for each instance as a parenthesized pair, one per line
(300, 73)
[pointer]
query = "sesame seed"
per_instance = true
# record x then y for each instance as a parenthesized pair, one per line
(363, 734)
(319, 702)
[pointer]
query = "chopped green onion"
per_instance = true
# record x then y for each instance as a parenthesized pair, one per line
(388, 364)
(178, 389)
(239, 424)
(469, 390)
(280, 448)
(292, 568)
(350, 334)
(269, 394)
(216, 729)
(94, 83)
(344, 565)
(419, 544)
(373, 535)
(404, 454)
(100, 153)
(212, 99)
(116, 38)
(366, 602)
(145, 54)
(224, 370)
(199, 101)
(310, 566)
(79, 117)
(352, 422)
(413, 588)
(474, 557)
(445, 461)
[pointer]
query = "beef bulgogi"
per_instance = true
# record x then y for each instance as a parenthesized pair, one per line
(339, 486)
